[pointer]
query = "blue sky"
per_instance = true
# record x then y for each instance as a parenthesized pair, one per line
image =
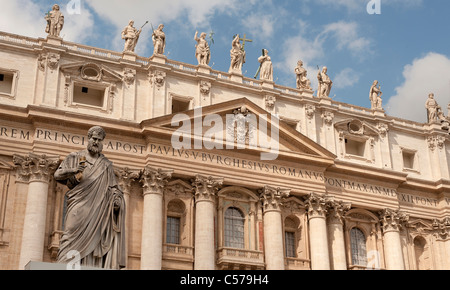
(406, 47)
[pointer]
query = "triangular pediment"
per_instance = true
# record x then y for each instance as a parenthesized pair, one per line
(291, 142)
(91, 71)
(356, 127)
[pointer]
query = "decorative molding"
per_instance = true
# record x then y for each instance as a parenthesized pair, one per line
(206, 188)
(442, 228)
(125, 177)
(154, 180)
(392, 220)
(157, 78)
(34, 167)
(273, 197)
(310, 110)
(316, 205)
(328, 117)
(337, 210)
(129, 76)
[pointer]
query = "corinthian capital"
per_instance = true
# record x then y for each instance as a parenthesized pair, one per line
(153, 180)
(337, 210)
(206, 188)
(125, 176)
(273, 197)
(442, 228)
(392, 220)
(316, 205)
(34, 167)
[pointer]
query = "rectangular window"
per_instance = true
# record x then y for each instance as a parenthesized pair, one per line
(179, 106)
(6, 83)
(409, 159)
(173, 230)
(88, 96)
(355, 147)
(289, 238)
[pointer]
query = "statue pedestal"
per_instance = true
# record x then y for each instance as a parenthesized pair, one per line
(54, 40)
(325, 100)
(54, 267)
(235, 76)
(129, 55)
(159, 58)
(267, 84)
(204, 69)
(379, 112)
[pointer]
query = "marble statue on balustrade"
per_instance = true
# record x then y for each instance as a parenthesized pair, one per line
(55, 21)
(302, 77)
(237, 54)
(375, 96)
(202, 50)
(159, 40)
(95, 217)
(325, 83)
(131, 36)
(432, 109)
(266, 66)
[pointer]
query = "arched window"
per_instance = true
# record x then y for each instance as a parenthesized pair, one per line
(234, 228)
(358, 245)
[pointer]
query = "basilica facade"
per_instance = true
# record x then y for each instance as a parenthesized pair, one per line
(339, 187)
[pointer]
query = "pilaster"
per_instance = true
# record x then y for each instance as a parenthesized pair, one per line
(442, 235)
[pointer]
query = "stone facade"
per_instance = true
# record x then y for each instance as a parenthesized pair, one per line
(351, 187)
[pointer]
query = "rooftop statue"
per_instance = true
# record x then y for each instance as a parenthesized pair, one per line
(202, 50)
(266, 66)
(302, 80)
(375, 96)
(237, 54)
(159, 40)
(131, 36)
(55, 21)
(432, 109)
(95, 218)
(325, 83)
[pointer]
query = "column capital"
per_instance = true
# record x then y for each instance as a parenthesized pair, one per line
(442, 228)
(34, 167)
(273, 197)
(337, 210)
(125, 176)
(153, 180)
(392, 220)
(206, 188)
(316, 205)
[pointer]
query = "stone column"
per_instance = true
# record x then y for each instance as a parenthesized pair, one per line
(205, 190)
(391, 222)
(273, 227)
(335, 222)
(153, 181)
(316, 206)
(442, 234)
(39, 169)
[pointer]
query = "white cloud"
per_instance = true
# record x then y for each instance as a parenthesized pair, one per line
(346, 78)
(429, 74)
(347, 37)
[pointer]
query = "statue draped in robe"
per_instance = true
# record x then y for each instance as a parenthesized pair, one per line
(55, 21)
(95, 217)
(159, 40)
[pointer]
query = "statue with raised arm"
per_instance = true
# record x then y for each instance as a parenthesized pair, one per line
(159, 40)
(55, 21)
(202, 50)
(266, 66)
(375, 96)
(95, 217)
(131, 36)
(302, 77)
(237, 54)
(325, 83)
